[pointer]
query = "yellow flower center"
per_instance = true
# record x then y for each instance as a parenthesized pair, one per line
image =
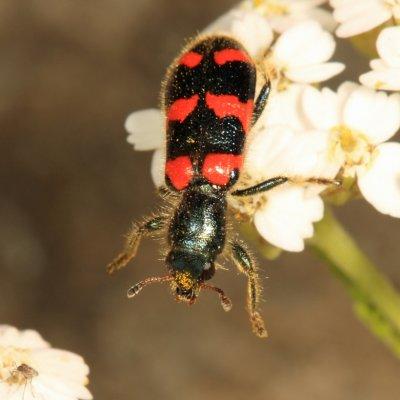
(271, 7)
(10, 359)
(394, 8)
(353, 146)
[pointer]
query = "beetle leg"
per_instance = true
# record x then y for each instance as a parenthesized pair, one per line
(133, 238)
(279, 180)
(261, 187)
(261, 101)
(246, 265)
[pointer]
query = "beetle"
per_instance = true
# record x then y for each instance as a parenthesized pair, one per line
(209, 102)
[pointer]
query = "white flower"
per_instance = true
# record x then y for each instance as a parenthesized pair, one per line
(31, 370)
(300, 54)
(385, 72)
(283, 14)
(380, 184)
(360, 120)
(285, 215)
(282, 144)
(146, 132)
(249, 27)
(145, 129)
(359, 16)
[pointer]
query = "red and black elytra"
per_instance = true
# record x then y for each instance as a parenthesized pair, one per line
(209, 103)
(210, 107)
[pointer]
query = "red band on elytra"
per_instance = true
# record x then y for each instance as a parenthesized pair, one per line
(181, 108)
(231, 106)
(227, 55)
(191, 59)
(179, 171)
(218, 167)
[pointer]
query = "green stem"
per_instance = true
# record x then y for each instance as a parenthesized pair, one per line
(376, 302)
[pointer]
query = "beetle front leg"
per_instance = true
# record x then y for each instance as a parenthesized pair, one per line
(246, 265)
(149, 226)
(261, 101)
(279, 180)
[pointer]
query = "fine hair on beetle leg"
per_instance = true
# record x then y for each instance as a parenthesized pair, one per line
(241, 256)
(255, 269)
(154, 225)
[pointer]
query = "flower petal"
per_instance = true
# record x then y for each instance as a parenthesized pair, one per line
(363, 22)
(61, 363)
(311, 156)
(19, 392)
(388, 46)
(284, 108)
(287, 217)
(321, 107)
(388, 79)
(380, 183)
(46, 389)
(249, 27)
(314, 73)
(267, 150)
(281, 151)
(344, 91)
(324, 18)
(254, 32)
(30, 339)
(347, 10)
(281, 23)
(297, 6)
(158, 167)
(146, 129)
(378, 65)
(374, 114)
(302, 45)
(66, 388)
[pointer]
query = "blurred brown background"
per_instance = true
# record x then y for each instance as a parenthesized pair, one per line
(70, 72)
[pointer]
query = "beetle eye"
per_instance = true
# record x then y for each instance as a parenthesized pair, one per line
(207, 266)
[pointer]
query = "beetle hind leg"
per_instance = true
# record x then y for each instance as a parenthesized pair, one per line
(246, 265)
(133, 238)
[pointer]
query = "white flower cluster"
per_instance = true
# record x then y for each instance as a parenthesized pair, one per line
(307, 131)
(31, 370)
(359, 16)
(385, 72)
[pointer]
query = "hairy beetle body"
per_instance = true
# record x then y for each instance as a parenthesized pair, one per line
(209, 103)
(210, 108)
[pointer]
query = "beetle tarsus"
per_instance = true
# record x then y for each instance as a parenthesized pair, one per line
(226, 302)
(246, 265)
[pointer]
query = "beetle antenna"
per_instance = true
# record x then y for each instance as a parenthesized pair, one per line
(135, 289)
(225, 300)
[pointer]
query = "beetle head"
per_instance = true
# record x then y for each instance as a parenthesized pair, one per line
(189, 270)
